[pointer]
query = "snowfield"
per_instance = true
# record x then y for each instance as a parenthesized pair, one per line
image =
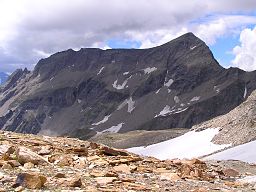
(245, 152)
(190, 145)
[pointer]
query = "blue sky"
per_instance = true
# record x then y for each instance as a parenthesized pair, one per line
(222, 49)
(31, 30)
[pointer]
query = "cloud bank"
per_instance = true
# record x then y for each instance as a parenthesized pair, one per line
(30, 30)
(245, 57)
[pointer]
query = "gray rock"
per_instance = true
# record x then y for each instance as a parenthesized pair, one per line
(81, 93)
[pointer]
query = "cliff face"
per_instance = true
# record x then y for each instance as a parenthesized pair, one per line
(81, 93)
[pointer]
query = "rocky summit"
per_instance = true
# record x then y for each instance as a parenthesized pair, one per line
(93, 91)
(30, 163)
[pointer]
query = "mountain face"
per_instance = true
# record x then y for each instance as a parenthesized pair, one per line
(3, 77)
(81, 93)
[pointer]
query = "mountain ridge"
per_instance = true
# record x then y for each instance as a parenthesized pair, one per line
(91, 91)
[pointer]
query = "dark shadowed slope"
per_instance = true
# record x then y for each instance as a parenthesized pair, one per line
(81, 93)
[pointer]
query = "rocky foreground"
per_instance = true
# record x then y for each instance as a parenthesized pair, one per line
(43, 163)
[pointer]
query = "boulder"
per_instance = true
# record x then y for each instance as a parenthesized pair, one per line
(25, 155)
(122, 168)
(230, 173)
(113, 152)
(31, 181)
(105, 180)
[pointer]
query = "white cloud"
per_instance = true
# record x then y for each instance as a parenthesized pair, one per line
(32, 29)
(245, 57)
(222, 25)
(209, 30)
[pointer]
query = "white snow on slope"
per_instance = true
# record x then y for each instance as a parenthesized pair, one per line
(100, 70)
(113, 129)
(190, 145)
(105, 119)
(195, 98)
(180, 110)
(216, 89)
(169, 83)
(130, 103)
(245, 92)
(166, 110)
(149, 70)
(176, 99)
(191, 48)
(245, 152)
(158, 91)
(121, 86)
(126, 73)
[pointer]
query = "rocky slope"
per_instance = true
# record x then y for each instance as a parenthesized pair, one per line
(81, 93)
(238, 126)
(30, 163)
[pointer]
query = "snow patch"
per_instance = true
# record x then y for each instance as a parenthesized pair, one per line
(121, 86)
(180, 110)
(216, 89)
(248, 179)
(168, 111)
(131, 105)
(126, 73)
(129, 102)
(191, 48)
(149, 70)
(113, 129)
(245, 152)
(169, 83)
(105, 119)
(165, 111)
(158, 91)
(195, 98)
(245, 92)
(190, 145)
(176, 99)
(100, 70)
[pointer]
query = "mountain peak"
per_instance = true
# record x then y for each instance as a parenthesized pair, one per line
(96, 91)
(189, 38)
